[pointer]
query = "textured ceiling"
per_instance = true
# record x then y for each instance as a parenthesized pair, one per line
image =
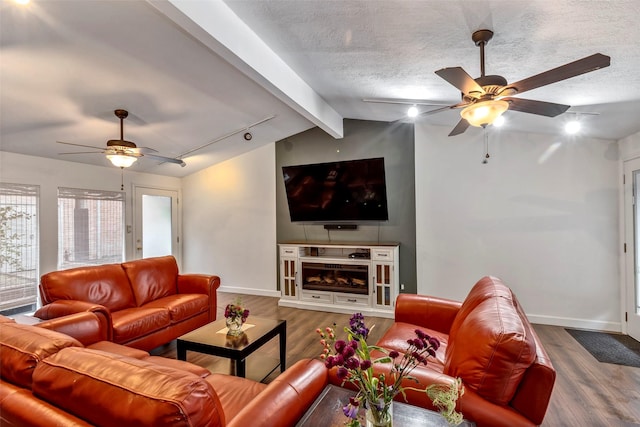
(350, 50)
(66, 65)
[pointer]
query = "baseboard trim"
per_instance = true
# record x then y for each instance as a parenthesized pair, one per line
(568, 322)
(249, 291)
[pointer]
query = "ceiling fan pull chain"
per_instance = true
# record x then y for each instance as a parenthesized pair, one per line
(121, 179)
(486, 147)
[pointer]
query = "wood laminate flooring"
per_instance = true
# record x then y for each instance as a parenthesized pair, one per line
(587, 393)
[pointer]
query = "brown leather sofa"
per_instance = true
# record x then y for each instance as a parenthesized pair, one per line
(488, 342)
(50, 378)
(145, 302)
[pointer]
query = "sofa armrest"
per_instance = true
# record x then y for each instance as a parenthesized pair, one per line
(198, 284)
(201, 284)
(287, 398)
(427, 311)
(86, 327)
(66, 307)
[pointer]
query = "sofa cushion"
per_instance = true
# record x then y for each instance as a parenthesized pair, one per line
(22, 347)
(111, 390)
(492, 350)
(106, 285)
(122, 350)
(137, 322)
(181, 306)
(152, 278)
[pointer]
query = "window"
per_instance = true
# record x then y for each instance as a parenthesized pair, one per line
(18, 247)
(90, 227)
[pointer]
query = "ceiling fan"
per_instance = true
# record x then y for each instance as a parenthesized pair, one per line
(484, 99)
(124, 153)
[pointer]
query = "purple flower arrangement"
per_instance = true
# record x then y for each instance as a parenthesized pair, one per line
(353, 361)
(236, 311)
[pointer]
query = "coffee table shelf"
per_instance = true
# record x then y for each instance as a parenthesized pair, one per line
(209, 339)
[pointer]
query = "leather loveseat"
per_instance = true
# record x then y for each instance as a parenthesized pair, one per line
(488, 342)
(145, 303)
(50, 378)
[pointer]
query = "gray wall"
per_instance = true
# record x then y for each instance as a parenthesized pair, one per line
(362, 139)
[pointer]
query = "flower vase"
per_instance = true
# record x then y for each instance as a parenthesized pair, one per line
(379, 418)
(234, 324)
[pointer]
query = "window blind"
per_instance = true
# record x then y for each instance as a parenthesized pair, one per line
(19, 247)
(90, 227)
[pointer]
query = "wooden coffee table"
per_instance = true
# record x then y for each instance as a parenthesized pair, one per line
(210, 339)
(326, 411)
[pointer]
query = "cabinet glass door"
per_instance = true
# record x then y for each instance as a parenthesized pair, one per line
(289, 277)
(383, 285)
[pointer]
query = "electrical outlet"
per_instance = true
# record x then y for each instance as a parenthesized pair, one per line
(402, 286)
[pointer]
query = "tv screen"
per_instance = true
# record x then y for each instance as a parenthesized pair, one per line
(349, 191)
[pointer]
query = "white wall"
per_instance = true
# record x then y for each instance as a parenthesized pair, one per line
(50, 174)
(229, 222)
(542, 215)
(630, 147)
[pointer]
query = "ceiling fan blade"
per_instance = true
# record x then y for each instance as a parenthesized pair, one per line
(145, 150)
(540, 108)
(460, 128)
(402, 101)
(79, 145)
(167, 159)
(429, 112)
(460, 79)
(81, 152)
(437, 110)
(572, 69)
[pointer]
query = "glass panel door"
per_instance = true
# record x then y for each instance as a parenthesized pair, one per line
(156, 223)
(156, 226)
(632, 247)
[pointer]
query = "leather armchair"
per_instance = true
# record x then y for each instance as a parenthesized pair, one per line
(488, 342)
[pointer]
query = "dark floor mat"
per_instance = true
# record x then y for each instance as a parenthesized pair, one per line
(609, 348)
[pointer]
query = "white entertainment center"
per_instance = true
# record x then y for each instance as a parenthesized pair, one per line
(344, 277)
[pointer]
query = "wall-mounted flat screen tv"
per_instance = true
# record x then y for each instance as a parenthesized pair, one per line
(343, 191)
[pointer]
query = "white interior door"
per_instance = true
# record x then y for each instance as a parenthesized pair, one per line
(632, 242)
(156, 223)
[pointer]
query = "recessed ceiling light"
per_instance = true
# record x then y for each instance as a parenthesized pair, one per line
(499, 121)
(412, 111)
(572, 127)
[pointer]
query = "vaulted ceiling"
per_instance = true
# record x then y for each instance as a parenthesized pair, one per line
(197, 75)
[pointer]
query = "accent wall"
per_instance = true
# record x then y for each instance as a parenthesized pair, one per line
(362, 139)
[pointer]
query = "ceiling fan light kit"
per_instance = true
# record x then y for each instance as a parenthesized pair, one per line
(484, 113)
(121, 160)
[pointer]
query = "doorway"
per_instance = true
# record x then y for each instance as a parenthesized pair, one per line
(632, 247)
(156, 223)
